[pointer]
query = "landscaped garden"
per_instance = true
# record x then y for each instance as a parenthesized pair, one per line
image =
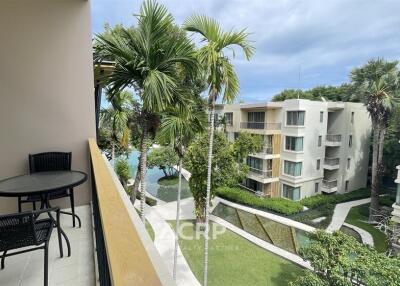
(234, 260)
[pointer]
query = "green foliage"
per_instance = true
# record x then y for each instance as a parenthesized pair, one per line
(391, 150)
(225, 171)
(339, 260)
(332, 93)
(246, 144)
(123, 170)
(308, 216)
(320, 200)
(168, 181)
(164, 158)
(278, 205)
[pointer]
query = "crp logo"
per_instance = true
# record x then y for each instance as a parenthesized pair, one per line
(213, 232)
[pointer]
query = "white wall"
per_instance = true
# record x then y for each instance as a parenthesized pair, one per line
(46, 85)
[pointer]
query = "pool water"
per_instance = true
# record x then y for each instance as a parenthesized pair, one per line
(281, 235)
(164, 193)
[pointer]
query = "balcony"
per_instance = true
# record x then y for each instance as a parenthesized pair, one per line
(331, 163)
(260, 125)
(333, 140)
(329, 186)
(263, 174)
(111, 248)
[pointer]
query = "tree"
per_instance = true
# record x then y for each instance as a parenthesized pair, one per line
(339, 260)
(123, 170)
(224, 168)
(114, 119)
(164, 158)
(221, 77)
(245, 144)
(151, 58)
(377, 86)
(180, 127)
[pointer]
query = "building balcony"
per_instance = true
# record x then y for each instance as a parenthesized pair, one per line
(329, 186)
(260, 125)
(263, 174)
(331, 163)
(111, 248)
(333, 140)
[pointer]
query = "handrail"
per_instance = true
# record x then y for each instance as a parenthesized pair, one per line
(129, 259)
(333, 137)
(329, 184)
(260, 125)
(264, 174)
(331, 161)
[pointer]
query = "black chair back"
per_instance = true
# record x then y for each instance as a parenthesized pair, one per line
(17, 230)
(50, 161)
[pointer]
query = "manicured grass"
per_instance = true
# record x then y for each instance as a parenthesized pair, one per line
(168, 181)
(234, 260)
(358, 216)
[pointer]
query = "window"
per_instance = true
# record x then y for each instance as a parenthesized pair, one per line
(254, 163)
(318, 164)
(255, 120)
(235, 135)
(294, 143)
(321, 116)
(291, 193)
(348, 163)
(346, 186)
(319, 141)
(316, 187)
(229, 118)
(292, 168)
(295, 118)
(352, 118)
(254, 185)
(350, 141)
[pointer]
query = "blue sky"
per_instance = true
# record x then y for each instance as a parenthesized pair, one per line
(320, 40)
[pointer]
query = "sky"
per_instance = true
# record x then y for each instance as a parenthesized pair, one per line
(298, 44)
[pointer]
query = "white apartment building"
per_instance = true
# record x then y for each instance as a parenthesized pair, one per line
(311, 147)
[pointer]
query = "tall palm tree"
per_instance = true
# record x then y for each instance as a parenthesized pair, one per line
(378, 86)
(148, 57)
(115, 119)
(221, 78)
(179, 127)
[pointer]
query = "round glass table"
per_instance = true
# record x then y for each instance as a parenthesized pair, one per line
(43, 184)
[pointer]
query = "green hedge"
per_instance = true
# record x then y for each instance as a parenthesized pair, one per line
(320, 200)
(278, 205)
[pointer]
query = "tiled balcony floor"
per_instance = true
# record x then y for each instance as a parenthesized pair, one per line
(77, 270)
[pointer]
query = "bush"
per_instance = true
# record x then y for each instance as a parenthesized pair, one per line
(387, 201)
(320, 200)
(308, 216)
(278, 205)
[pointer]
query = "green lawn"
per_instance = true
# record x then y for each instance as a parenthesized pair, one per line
(358, 217)
(234, 260)
(168, 181)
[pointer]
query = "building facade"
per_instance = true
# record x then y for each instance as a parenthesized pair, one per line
(396, 205)
(310, 147)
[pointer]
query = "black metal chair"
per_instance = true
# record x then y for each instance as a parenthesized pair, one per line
(51, 161)
(25, 230)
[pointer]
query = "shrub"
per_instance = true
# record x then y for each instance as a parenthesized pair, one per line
(320, 200)
(278, 205)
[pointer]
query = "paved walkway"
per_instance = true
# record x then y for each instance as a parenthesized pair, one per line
(165, 243)
(366, 237)
(341, 211)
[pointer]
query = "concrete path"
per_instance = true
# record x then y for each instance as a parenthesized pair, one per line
(341, 211)
(165, 243)
(168, 210)
(185, 173)
(366, 237)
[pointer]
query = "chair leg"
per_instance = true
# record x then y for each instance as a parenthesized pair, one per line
(71, 197)
(3, 258)
(60, 246)
(46, 264)
(19, 205)
(34, 205)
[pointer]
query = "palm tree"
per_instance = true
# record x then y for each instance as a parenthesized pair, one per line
(179, 127)
(377, 86)
(115, 119)
(149, 58)
(221, 78)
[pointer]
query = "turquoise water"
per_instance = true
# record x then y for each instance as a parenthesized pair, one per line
(164, 193)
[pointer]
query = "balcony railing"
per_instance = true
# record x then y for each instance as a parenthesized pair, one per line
(267, 150)
(260, 125)
(329, 184)
(264, 174)
(331, 161)
(124, 252)
(334, 138)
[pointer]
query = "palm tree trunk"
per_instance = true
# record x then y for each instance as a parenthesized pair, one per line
(136, 183)
(374, 173)
(178, 209)
(207, 210)
(143, 165)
